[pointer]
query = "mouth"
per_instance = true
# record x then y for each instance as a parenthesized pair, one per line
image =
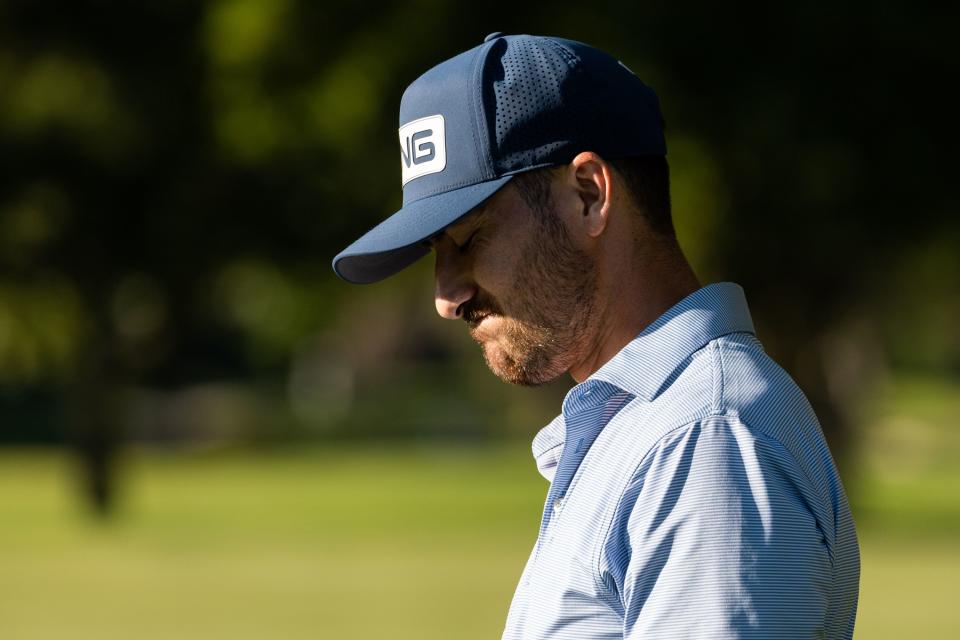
(477, 319)
(474, 317)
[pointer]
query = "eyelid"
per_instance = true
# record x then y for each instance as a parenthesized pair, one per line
(466, 243)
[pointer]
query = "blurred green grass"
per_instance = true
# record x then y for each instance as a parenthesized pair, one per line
(398, 541)
(345, 543)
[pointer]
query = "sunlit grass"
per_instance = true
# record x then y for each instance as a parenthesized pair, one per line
(908, 586)
(349, 542)
(343, 544)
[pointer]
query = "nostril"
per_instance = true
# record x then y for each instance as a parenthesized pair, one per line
(450, 308)
(453, 302)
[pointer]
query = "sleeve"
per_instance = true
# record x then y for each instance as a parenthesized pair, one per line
(718, 540)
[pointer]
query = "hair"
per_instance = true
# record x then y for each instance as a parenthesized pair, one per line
(647, 179)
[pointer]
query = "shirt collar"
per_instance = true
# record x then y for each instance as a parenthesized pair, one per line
(646, 363)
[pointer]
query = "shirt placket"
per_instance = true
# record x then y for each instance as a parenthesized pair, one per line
(585, 413)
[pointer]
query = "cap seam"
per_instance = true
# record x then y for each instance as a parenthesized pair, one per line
(453, 187)
(564, 51)
(512, 172)
(477, 100)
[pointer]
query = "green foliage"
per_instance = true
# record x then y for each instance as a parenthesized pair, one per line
(42, 324)
(177, 176)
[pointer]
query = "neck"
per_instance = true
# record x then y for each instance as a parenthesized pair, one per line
(635, 292)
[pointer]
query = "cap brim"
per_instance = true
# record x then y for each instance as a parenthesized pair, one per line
(398, 241)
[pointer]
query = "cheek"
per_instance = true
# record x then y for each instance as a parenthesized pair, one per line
(498, 265)
(496, 273)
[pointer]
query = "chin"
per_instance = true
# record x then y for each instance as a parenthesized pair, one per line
(534, 371)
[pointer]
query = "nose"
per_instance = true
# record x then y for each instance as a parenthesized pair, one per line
(454, 285)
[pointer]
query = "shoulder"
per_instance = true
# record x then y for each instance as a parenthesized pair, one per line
(728, 449)
(728, 421)
(729, 389)
(750, 384)
(730, 378)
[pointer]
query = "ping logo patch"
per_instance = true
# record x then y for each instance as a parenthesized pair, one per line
(423, 147)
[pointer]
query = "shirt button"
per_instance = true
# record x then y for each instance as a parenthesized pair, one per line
(557, 504)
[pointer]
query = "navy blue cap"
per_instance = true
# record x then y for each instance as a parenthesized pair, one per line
(471, 123)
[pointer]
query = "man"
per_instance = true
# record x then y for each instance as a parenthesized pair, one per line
(692, 493)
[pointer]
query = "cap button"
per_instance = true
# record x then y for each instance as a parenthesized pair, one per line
(495, 34)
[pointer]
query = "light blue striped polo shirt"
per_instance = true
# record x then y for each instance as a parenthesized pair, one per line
(692, 496)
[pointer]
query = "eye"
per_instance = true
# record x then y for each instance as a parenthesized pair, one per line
(466, 243)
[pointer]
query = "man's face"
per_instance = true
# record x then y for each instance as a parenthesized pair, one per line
(527, 292)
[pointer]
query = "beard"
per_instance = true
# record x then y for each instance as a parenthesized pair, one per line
(535, 333)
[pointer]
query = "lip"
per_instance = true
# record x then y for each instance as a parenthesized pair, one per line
(477, 328)
(476, 323)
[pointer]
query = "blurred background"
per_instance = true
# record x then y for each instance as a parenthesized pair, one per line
(204, 434)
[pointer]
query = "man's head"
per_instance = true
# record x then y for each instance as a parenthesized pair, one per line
(530, 165)
(531, 269)
(513, 272)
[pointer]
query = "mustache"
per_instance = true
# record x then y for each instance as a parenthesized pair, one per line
(479, 307)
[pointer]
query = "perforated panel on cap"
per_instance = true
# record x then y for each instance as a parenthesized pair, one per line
(527, 100)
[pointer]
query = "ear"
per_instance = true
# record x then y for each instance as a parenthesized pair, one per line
(592, 180)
